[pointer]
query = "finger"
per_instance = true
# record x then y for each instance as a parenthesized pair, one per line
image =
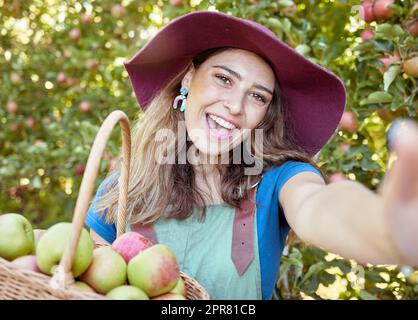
(404, 172)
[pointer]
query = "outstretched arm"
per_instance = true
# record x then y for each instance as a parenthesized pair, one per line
(348, 219)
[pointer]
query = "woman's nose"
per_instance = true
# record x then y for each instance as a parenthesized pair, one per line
(234, 104)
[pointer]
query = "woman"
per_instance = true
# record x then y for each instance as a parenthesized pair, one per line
(222, 165)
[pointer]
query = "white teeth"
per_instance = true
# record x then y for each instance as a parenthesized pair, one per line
(222, 122)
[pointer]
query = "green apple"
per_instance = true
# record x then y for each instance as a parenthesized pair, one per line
(83, 286)
(106, 271)
(127, 293)
(154, 270)
(169, 296)
(180, 288)
(16, 236)
(52, 244)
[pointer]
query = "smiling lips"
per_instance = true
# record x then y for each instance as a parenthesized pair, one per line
(218, 127)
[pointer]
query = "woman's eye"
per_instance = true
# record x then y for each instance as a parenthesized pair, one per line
(223, 78)
(260, 98)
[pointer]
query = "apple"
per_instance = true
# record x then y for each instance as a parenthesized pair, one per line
(15, 78)
(84, 286)
(16, 236)
(91, 64)
(381, 9)
(367, 34)
(127, 293)
(79, 169)
(388, 61)
(31, 122)
(67, 53)
(344, 147)
(367, 11)
(106, 271)
(118, 11)
(61, 78)
(12, 107)
(336, 177)
(27, 262)
(349, 122)
(14, 127)
(85, 106)
(154, 270)
(130, 244)
(86, 18)
(180, 288)
(54, 241)
(75, 34)
(170, 296)
(175, 3)
(410, 67)
(412, 27)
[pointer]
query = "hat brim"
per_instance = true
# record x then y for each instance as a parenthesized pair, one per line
(315, 97)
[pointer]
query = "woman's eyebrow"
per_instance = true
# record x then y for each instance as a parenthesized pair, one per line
(239, 77)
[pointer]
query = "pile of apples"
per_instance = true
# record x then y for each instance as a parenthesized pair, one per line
(132, 268)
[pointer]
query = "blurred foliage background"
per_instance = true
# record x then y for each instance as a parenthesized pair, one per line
(62, 74)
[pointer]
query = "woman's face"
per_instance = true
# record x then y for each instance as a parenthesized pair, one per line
(228, 97)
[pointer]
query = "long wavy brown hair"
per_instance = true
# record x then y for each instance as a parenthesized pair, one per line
(170, 190)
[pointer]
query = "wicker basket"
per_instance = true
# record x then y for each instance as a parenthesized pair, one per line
(16, 283)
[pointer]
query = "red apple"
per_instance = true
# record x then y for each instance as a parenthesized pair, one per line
(14, 127)
(169, 296)
(15, 78)
(381, 9)
(336, 177)
(31, 122)
(344, 147)
(154, 270)
(91, 64)
(86, 18)
(367, 34)
(12, 107)
(388, 61)
(130, 244)
(106, 271)
(79, 169)
(61, 77)
(27, 262)
(85, 106)
(118, 11)
(412, 27)
(75, 34)
(367, 11)
(410, 67)
(175, 3)
(349, 122)
(67, 53)
(46, 120)
(70, 82)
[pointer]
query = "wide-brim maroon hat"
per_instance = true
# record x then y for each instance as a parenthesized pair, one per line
(315, 97)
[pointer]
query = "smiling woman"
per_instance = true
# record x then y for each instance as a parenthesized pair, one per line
(237, 138)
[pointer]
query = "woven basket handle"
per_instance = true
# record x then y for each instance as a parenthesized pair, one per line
(62, 275)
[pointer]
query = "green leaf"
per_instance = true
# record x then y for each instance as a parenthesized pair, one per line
(388, 31)
(303, 49)
(364, 295)
(390, 75)
(377, 97)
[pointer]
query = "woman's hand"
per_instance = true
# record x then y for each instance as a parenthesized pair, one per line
(400, 193)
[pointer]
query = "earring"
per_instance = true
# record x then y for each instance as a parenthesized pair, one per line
(181, 97)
